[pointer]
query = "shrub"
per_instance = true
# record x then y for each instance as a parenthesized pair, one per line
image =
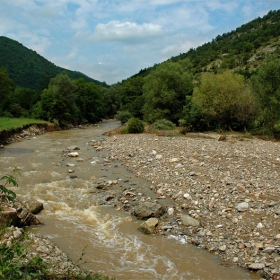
(135, 125)
(123, 116)
(6, 195)
(163, 124)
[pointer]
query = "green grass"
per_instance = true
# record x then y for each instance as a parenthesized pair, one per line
(9, 123)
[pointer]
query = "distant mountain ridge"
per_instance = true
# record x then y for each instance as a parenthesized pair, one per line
(29, 69)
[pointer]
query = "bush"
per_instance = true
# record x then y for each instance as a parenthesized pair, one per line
(123, 116)
(135, 125)
(7, 195)
(163, 124)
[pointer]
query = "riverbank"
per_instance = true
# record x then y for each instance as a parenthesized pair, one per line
(26, 132)
(230, 187)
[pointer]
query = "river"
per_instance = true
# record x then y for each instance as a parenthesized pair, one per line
(77, 220)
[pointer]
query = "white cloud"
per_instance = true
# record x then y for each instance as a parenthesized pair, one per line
(73, 53)
(85, 35)
(228, 6)
(125, 31)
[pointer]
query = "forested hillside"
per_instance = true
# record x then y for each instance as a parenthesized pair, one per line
(230, 83)
(243, 49)
(29, 69)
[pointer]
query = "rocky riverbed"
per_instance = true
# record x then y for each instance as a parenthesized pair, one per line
(220, 193)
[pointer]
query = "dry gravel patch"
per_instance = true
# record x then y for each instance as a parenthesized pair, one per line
(231, 187)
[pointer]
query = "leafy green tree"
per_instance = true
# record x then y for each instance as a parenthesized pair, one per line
(58, 101)
(7, 87)
(110, 104)
(89, 102)
(22, 100)
(266, 85)
(165, 91)
(129, 95)
(224, 100)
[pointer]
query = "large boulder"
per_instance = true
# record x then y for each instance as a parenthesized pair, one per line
(148, 209)
(149, 226)
(26, 218)
(8, 216)
(33, 205)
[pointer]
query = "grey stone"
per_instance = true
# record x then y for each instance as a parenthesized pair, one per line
(189, 221)
(73, 148)
(257, 266)
(243, 206)
(148, 210)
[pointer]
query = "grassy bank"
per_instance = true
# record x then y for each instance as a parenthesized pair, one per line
(9, 123)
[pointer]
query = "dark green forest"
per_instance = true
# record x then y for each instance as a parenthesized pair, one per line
(29, 69)
(230, 83)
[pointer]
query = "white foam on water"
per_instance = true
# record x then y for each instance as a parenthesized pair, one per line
(36, 164)
(55, 174)
(7, 159)
(32, 173)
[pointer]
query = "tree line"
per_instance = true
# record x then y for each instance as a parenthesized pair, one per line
(226, 100)
(65, 101)
(230, 83)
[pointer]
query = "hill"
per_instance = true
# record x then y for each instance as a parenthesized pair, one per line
(29, 69)
(242, 50)
(231, 82)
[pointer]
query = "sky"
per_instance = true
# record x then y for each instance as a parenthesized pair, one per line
(112, 40)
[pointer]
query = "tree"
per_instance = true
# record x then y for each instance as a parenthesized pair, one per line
(165, 91)
(58, 100)
(130, 96)
(266, 85)
(224, 100)
(89, 101)
(22, 100)
(7, 87)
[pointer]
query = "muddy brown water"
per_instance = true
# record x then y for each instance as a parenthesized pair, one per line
(77, 221)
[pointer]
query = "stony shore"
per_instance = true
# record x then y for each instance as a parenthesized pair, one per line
(58, 265)
(230, 187)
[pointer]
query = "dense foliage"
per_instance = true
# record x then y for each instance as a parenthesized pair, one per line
(229, 83)
(135, 125)
(28, 69)
(266, 85)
